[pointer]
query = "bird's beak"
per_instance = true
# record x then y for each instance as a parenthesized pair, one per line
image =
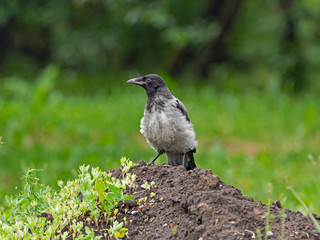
(137, 81)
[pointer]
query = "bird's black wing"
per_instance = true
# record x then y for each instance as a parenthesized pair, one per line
(183, 109)
(190, 160)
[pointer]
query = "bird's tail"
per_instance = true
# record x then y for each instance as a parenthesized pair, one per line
(189, 160)
(185, 159)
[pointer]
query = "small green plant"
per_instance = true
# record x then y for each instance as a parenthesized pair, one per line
(315, 162)
(117, 231)
(308, 211)
(141, 200)
(268, 216)
(259, 236)
(268, 226)
(283, 221)
(174, 229)
(147, 185)
(94, 192)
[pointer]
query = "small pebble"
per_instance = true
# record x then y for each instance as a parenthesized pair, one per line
(134, 212)
(256, 211)
(269, 233)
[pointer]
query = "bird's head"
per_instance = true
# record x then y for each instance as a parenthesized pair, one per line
(152, 83)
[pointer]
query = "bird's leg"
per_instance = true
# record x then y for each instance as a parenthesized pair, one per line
(152, 162)
(183, 157)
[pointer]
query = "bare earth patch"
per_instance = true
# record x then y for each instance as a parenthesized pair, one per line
(198, 205)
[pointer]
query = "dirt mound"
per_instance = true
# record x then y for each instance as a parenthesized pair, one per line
(198, 205)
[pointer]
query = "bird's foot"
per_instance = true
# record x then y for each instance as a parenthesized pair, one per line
(151, 163)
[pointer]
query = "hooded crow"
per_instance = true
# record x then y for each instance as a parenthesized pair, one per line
(165, 123)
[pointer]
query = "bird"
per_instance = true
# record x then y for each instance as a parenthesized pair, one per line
(166, 124)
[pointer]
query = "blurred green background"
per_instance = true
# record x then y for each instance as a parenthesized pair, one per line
(246, 70)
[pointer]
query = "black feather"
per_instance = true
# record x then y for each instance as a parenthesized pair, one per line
(179, 106)
(189, 159)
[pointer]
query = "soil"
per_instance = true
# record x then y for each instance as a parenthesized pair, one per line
(198, 205)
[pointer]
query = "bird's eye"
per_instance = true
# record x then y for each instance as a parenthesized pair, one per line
(148, 80)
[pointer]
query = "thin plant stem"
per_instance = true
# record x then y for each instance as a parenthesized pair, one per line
(316, 224)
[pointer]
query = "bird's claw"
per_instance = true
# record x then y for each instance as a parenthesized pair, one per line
(151, 163)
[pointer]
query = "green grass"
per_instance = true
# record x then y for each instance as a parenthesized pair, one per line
(63, 213)
(249, 139)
